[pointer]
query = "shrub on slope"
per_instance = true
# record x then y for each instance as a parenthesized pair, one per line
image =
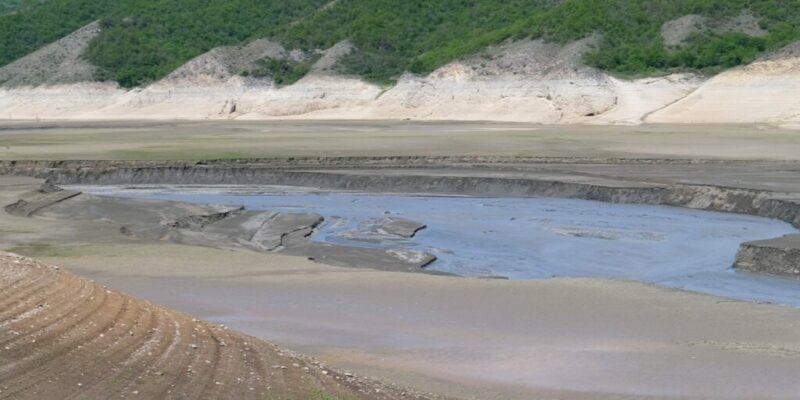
(7, 6)
(143, 40)
(421, 36)
(42, 23)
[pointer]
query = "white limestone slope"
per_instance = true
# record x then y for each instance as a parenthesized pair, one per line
(54, 82)
(60, 62)
(57, 102)
(765, 91)
(526, 81)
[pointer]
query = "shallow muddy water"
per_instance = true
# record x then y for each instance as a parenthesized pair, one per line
(528, 238)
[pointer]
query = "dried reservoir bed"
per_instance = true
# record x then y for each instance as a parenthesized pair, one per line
(521, 238)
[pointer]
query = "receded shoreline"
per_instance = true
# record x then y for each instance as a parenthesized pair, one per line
(428, 176)
(576, 338)
(482, 236)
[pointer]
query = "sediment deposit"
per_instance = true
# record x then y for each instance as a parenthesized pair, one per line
(216, 226)
(65, 337)
(427, 177)
(780, 256)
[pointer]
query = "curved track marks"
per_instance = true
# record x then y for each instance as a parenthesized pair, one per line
(63, 337)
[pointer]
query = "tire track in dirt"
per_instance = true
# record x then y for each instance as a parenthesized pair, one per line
(63, 337)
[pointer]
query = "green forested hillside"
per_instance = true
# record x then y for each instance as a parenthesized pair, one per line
(7, 6)
(143, 40)
(36, 25)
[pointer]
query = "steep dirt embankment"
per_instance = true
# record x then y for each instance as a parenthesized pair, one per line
(212, 86)
(527, 81)
(55, 82)
(780, 256)
(65, 337)
(420, 175)
(764, 91)
(58, 63)
(776, 259)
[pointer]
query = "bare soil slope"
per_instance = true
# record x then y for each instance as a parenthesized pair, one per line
(63, 337)
(526, 81)
(61, 62)
(764, 91)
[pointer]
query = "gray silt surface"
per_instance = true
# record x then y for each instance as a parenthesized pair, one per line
(530, 238)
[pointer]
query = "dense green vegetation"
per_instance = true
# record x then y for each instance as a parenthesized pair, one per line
(38, 24)
(282, 71)
(143, 40)
(420, 36)
(7, 6)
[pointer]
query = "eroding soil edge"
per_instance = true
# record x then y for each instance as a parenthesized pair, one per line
(65, 337)
(430, 176)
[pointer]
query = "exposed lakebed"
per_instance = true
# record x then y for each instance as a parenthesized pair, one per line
(525, 238)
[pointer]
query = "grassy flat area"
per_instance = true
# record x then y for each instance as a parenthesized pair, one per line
(235, 140)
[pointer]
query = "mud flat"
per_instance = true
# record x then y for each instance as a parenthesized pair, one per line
(217, 226)
(472, 338)
(657, 182)
(517, 237)
(462, 337)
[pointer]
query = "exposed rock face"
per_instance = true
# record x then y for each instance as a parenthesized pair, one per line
(74, 101)
(211, 87)
(762, 92)
(526, 81)
(676, 32)
(745, 23)
(637, 99)
(224, 63)
(327, 63)
(779, 256)
(59, 63)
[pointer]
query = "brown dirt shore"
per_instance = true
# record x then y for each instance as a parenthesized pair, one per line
(199, 140)
(465, 338)
(64, 337)
(478, 339)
